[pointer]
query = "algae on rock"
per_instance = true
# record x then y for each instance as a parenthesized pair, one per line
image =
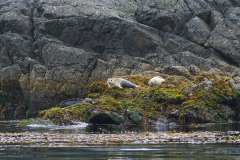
(202, 98)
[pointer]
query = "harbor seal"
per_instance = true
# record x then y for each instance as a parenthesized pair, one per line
(156, 81)
(120, 83)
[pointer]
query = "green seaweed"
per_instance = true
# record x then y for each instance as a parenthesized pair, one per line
(203, 105)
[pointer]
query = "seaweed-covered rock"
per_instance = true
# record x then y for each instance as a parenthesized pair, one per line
(104, 118)
(135, 118)
(202, 98)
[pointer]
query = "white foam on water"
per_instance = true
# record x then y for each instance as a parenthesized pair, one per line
(139, 149)
(76, 125)
(40, 126)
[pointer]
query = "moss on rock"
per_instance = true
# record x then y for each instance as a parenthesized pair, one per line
(199, 104)
(67, 115)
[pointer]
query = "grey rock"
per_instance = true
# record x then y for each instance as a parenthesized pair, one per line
(89, 101)
(177, 70)
(11, 73)
(194, 70)
(205, 63)
(235, 83)
(169, 16)
(163, 124)
(105, 118)
(206, 84)
(135, 118)
(13, 49)
(197, 30)
(75, 101)
(70, 102)
(15, 17)
(38, 71)
(225, 37)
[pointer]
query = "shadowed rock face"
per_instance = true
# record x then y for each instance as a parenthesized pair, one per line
(62, 45)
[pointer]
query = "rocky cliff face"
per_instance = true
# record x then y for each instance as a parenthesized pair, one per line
(50, 49)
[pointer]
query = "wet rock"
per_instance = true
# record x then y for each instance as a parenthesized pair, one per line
(105, 118)
(164, 124)
(193, 116)
(135, 117)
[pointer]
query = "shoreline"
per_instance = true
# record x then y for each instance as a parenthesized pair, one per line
(56, 139)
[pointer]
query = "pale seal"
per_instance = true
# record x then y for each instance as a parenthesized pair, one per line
(156, 81)
(120, 83)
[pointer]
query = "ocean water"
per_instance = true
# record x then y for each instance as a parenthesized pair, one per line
(116, 152)
(144, 152)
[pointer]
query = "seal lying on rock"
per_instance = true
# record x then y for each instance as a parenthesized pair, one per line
(120, 83)
(156, 81)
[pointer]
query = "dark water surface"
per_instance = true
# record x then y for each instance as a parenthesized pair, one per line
(12, 127)
(144, 152)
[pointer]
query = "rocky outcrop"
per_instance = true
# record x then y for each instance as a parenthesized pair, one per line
(60, 46)
(235, 83)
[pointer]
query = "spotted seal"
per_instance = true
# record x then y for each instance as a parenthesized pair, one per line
(120, 83)
(156, 81)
